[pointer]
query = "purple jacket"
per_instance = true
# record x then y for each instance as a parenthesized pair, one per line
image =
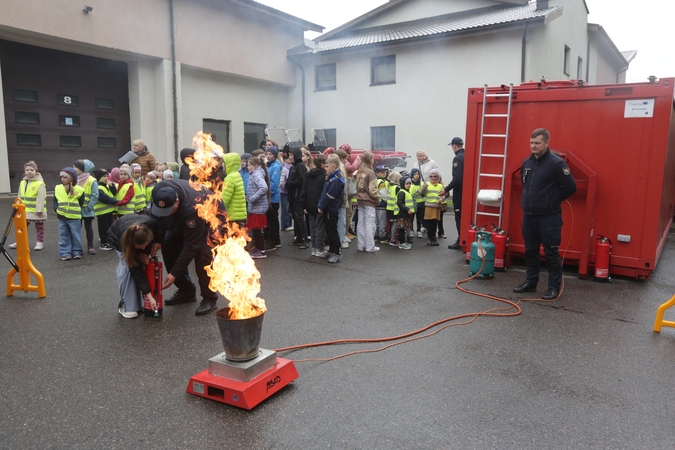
(256, 192)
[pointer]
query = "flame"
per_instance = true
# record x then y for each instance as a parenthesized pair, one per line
(233, 272)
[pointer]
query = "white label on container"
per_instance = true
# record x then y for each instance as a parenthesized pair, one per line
(639, 108)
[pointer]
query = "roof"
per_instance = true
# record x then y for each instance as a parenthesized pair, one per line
(456, 23)
(306, 25)
(629, 55)
(599, 32)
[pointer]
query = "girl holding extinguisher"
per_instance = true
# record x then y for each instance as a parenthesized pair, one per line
(135, 239)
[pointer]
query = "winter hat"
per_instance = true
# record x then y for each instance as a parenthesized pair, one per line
(115, 175)
(69, 172)
(168, 174)
(79, 164)
(88, 166)
(173, 166)
(394, 177)
(151, 175)
(403, 181)
(185, 153)
(329, 151)
(30, 164)
(125, 170)
(435, 172)
(246, 156)
(347, 148)
(99, 173)
(134, 167)
(273, 150)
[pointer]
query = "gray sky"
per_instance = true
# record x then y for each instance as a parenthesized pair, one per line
(645, 26)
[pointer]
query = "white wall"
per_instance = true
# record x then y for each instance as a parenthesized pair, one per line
(4, 161)
(427, 105)
(422, 9)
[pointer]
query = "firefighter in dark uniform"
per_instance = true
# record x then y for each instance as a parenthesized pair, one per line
(547, 181)
(456, 184)
(186, 239)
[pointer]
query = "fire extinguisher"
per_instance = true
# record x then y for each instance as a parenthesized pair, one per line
(501, 240)
(472, 238)
(153, 272)
(603, 250)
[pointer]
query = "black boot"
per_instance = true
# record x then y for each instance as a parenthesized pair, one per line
(179, 297)
(205, 307)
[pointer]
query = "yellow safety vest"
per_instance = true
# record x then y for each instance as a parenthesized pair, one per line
(129, 207)
(87, 189)
(148, 194)
(28, 192)
(68, 206)
(409, 203)
(433, 193)
(139, 197)
(392, 201)
(103, 208)
(414, 191)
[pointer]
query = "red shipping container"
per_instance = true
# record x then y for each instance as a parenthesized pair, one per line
(619, 142)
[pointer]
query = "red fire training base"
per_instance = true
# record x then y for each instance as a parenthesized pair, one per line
(243, 394)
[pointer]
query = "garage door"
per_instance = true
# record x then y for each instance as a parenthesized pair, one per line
(61, 107)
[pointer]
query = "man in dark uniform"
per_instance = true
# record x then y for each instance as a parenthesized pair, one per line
(456, 184)
(547, 181)
(186, 239)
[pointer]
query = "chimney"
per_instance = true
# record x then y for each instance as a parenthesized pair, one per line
(542, 4)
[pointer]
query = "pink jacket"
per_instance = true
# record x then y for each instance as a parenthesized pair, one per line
(352, 164)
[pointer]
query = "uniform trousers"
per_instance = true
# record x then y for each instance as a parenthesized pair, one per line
(544, 231)
(173, 245)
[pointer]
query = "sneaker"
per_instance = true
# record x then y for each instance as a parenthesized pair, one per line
(258, 254)
(345, 244)
(321, 254)
(39, 246)
(313, 252)
(128, 314)
(350, 235)
(288, 229)
(66, 258)
(423, 230)
(106, 247)
(393, 244)
(270, 247)
(12, 245)
(295, 242)
(304, 244)
(442, 236)
(419, 234)
(349, 241)
(405, 246)
(326, 248)
(277, 245)
(335, 258)
(78, 256)
(91, 251)
(375, 249)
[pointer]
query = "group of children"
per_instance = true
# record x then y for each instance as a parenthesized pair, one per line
(85, 194)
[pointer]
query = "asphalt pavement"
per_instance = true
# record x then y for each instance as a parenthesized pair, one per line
(585, 372)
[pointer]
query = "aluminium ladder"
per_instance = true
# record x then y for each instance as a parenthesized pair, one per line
(503, 136)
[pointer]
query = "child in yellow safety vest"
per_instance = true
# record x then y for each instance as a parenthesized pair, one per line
(83, 168)
(32, 192)
(140, 201)
(150, 183)
(68, 201)
(125, 193)
(105, 206)
(392, 207)
(406, 212)
(381, 210)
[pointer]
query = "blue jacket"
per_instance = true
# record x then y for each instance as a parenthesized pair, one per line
(547, 181)
(244, 176)
(256, 192)
(274, 171)
(331, 196)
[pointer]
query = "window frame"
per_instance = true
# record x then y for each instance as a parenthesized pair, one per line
(377, 61)
(566, 60)
(375, 140)
(317, 70)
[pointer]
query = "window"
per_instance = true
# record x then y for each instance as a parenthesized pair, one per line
(254, 134)
(103, 103)
(566, 66)
(107, 142)
(325, 77)
(67, 100)
(21, 95)
(383, 138)
(580, 65)
(71, 141)
(69, 121)
(219, 131)
(383, 70)
(28, 139)
(27, 117)
(102, 122)
(331, 137)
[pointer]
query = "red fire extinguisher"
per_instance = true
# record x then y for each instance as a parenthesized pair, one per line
(501, 240)
(472, 238)
(603, 250)
(153, 271)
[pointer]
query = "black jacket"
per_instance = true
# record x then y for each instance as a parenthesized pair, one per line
(312, 188)
(547, 181)
(457, 177)
(296, 177)
(187, 223)
(116, 231)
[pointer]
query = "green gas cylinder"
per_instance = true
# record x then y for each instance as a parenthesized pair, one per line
(482, 249)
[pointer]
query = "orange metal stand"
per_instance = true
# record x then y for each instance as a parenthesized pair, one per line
(659, 322)
(23, 262)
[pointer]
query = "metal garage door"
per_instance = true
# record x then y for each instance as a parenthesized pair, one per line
(61, 107)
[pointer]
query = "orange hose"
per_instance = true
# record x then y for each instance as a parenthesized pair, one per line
(408, 337)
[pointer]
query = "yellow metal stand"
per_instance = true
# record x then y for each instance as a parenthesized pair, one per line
(23, 262)
(659, 322)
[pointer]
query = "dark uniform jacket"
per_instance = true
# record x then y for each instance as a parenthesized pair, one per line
(296, 177)
(186, 222)
(547, 181)
(457, 177)
(116, 231)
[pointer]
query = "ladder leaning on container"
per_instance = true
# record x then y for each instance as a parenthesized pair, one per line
(483, 136)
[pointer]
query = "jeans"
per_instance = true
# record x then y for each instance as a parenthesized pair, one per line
(70, 239)
(365, 232)
(318, 230)
(286, 215)
(381, 215)
(342, 224)
(129, 292)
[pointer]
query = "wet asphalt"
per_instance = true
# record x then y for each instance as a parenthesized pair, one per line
(585, 372)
